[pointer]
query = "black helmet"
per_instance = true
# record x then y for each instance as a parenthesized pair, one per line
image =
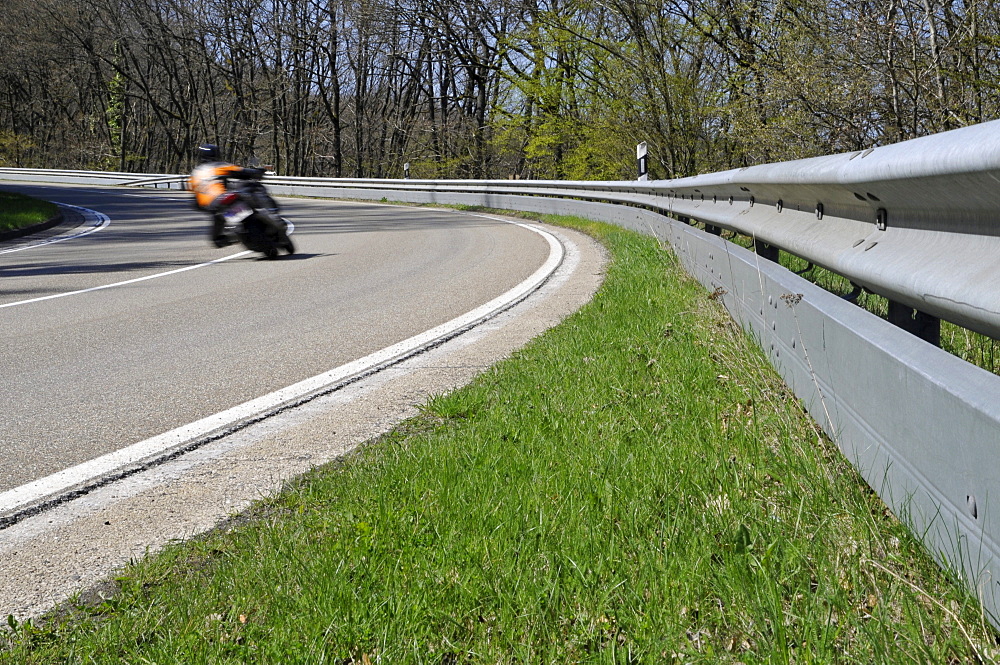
(208, 152)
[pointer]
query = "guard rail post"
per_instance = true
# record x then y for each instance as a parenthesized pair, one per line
(766, 251)
(915, 322)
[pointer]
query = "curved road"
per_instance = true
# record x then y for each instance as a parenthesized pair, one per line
(91, 372)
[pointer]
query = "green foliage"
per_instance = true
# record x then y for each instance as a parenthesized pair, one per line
(564, 148)
(115, 111)
(557, 121)
(13, 147)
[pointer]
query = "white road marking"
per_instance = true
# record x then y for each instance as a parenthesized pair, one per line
(63, 481)
(98, 221)
(127, 281)
(152, 195)
(101, 221)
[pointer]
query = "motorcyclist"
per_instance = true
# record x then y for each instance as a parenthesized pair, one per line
(210, 181)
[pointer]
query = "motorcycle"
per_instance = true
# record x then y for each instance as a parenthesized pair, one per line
(252, 216)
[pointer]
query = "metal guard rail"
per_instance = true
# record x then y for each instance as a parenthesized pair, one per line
(918, 222)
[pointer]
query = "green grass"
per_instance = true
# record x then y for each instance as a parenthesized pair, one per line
(18, 211)
(634, 486)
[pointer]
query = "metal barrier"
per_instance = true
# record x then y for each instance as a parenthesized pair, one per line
(89, 177)
(918, 222)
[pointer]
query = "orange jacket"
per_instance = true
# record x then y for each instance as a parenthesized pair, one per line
(208, 181)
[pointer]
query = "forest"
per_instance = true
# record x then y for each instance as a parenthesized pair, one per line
(552, 89)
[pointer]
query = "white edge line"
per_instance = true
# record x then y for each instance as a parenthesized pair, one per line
(62, 481)
(99, 221)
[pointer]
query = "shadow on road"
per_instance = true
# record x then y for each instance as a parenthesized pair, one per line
(290, 257)
(52, 268)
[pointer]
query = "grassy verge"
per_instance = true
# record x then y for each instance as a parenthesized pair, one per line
(18, 211)
(636, 485)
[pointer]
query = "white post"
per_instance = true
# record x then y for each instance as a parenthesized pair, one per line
(640, 157)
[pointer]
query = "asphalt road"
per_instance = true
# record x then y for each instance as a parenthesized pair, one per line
(89, 373)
